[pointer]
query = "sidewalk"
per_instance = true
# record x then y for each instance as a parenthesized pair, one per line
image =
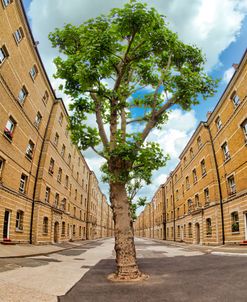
(25, 250)
(207, 249)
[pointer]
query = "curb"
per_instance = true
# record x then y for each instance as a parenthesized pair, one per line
(229, 254)
(52, 252)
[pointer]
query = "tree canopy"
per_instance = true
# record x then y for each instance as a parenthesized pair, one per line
(105, 62)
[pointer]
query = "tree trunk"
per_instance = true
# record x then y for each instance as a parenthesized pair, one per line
(127, 269)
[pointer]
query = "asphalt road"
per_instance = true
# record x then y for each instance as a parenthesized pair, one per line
(79, 275)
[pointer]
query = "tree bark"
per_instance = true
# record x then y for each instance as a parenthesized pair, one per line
(127, 268)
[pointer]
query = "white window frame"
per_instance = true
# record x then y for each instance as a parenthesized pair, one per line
(206, 195)
(19, 220)
(33, 72)
(56, 139)
(231, 184)
(18, 35)
(23, 183)
(22, 95)
(203, 167)
(30, 149)
(218, 123)
(6, 2)
(235, 100)
(226, 152)
(244, 129)
(10, 127)
(38, 119)
(47, 194)
(3, 54)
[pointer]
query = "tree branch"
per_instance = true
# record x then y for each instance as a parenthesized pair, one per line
(99, 120)
(99, 153)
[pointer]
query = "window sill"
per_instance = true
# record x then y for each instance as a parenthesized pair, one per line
(51, 173)
(45, 234)
(227, 160)
(8, 138)
(204, 174)
(18, 231)
(235, 233)
(28, 157)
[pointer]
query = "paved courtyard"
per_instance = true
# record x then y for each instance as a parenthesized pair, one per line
(79, 274)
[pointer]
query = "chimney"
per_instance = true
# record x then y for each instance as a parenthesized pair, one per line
(235, 66)
(208, 114)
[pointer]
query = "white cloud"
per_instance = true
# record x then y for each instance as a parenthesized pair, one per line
(228, 74)
(212, 25)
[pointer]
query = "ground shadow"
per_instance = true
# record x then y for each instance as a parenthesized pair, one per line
(176, 279)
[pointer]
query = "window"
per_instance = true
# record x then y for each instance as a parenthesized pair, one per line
(225, 151)
(1, 166)
(235, 222)
(23, 182)
(45, 97)
(45, 225)
(209, 227)
(176, 177)
(203, 167)
(59, 175)
(73, 229)
(81, 198)
(3, 54)
(185, 161)
(77, 176)
(66, 181)
(63, 150)
(190, 205)
(63, 228)
(18, 35)
(206, 196)
(177, 212)
(47, 194)
(29, 151)
(19, 220)
(244, 127)
(183, 190)
(51, 166)
(60, 120)
(56, 203)
(176, 194)
(197, 201)
(6, 2)
(80, 215)
(63, 204)
(37, 120)
(75, 194)
(9, 128)
(33, 72)
(56, 139)
(187, 182)
(232, 185)
(22, 95)
(191, 153)
(235, 99)
(218, 123)
(194, 175)
(69, 159)
(199, 142)
(74, 211)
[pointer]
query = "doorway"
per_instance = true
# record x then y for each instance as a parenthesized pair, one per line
(6, 225)
(182, 233)
(197, 225)
(245, 226)
(56, 232)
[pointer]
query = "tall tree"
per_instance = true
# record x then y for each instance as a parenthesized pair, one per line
(107, 63)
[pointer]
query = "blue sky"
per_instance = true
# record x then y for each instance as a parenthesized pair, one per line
(219, 27)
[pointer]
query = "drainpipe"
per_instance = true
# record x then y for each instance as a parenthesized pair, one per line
(174, 222)
(218, 180)
(37, 173)
(164, 211)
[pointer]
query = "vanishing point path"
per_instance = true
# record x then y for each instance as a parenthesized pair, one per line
(79, 275)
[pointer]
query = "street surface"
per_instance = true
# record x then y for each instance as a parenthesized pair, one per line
(176, 274)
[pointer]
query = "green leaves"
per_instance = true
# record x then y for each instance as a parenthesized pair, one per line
(104, 62)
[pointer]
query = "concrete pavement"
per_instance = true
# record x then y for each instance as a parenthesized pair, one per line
(178, 272)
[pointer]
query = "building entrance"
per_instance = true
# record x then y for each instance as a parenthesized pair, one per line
(6, 224)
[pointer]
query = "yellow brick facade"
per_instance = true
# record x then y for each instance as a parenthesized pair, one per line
(45, 183)
(205, 197)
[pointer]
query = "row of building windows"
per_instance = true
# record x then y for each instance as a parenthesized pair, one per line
(234, 227)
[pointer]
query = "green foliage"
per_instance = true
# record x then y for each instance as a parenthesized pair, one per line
(131, 48)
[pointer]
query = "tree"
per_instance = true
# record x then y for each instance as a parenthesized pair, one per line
(131, 48)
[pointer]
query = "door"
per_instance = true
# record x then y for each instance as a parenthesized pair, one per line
(182, 233)
(6, 224)
(56, 231)
(197, 233)
(245, 226)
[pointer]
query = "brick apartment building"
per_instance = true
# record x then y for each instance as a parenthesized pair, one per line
(205, 196)
(47, 191)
